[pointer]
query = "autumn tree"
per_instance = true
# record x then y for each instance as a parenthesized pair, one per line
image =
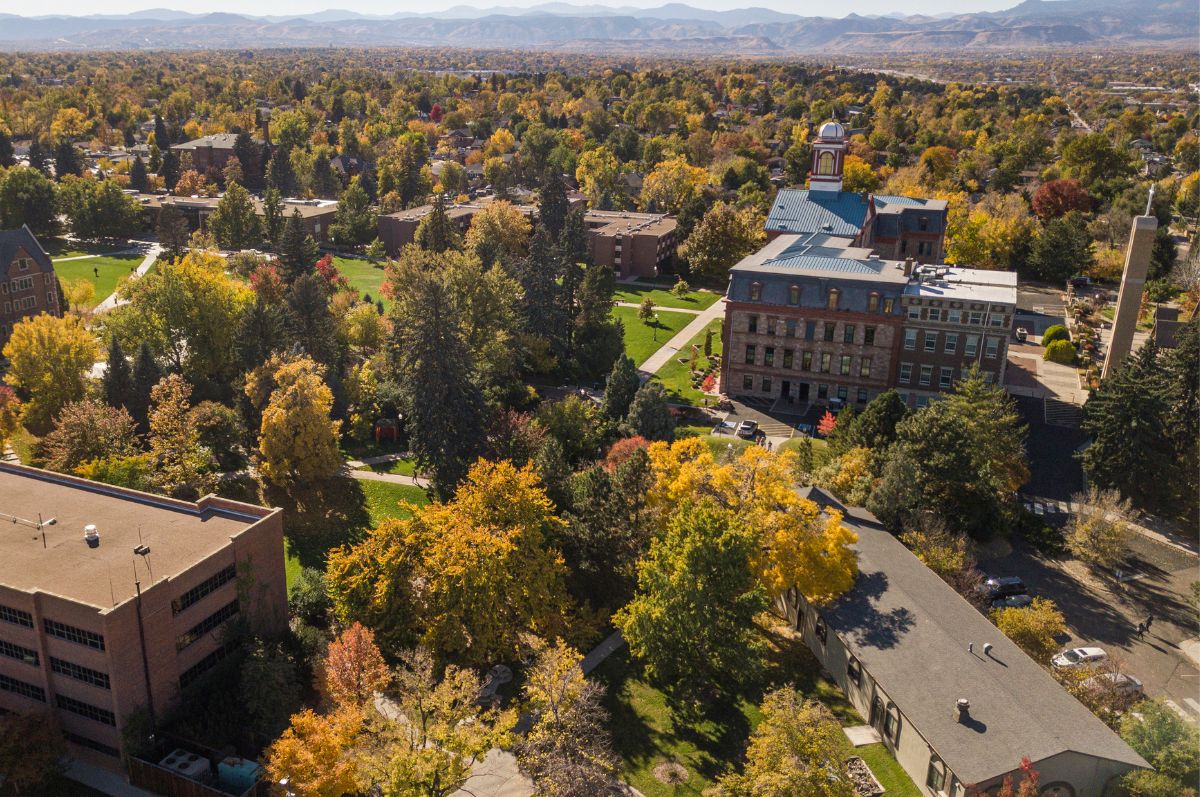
(49, 360)
(858, 176)
(1056, 198)
(87, 430)
(723, 237)
(1098, 531)
(670, 184)
(947, 554)
(235, 223)
(181, 461)
(568, 751)
(599, 175)
(1170, 744)
(353, 670)
(27, 198)
(317, 753)
(1034, 628)
(298, 440)
(10, 413)
(797, 749)
(498, 233)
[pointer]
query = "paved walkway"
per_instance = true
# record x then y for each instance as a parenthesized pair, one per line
(394, 478)
(102, 780)
(113, 300)
(1149, 527)
(609, 646)
(861, 735)
(669, 349)
(658, 308)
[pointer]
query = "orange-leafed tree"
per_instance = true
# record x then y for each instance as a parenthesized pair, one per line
(354, 669)
(318, 753)
(827, 424)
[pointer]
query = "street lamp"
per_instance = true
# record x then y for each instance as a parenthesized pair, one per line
(654, 326)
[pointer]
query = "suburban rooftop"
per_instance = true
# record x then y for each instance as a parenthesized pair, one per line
(179, 534)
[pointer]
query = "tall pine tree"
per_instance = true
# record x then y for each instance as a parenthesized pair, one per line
(298, 252)
(552, 203)
(118, 377)
(146, 375)
(137, 175)
(436, 233)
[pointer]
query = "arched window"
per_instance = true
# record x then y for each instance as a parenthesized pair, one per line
(873, 302)
(794, 294)
(854, 671)
(755, 291)
(833, 298)
(891, 723)
(1059, 788)
(935, 779)
(825, 163)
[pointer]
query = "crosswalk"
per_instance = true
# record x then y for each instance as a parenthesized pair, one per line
(1189, 716)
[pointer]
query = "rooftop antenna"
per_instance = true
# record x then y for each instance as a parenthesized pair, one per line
(112, 593)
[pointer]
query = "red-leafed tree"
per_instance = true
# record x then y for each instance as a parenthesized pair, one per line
(435, 113)
(622, 450)
(267, 282)
(354, 669)
(1028, 786)
(1057, 198)
(827, 424)
(334, 279)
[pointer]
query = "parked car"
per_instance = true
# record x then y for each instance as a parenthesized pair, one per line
(1079, 657)
(747, 429)
(1022, 334)
(1080, 281)
(1004, 587)
(1013, 601)
(1119, 682)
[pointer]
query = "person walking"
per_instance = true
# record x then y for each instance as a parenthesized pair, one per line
(1141, 629)
(1149, 620)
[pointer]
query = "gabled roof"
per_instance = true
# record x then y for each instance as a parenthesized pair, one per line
(910, 631)
(820, 255)
(23, 238)
(798, 210)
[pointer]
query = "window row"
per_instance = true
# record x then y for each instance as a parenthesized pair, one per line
(86, 710)
(204, 588)
(817, 362)
(15, 616)
(930, 340)
(954, 315)
(80, 673)
(207, 624)
(72, 634)
(23, 689)
(792, 329)
(19, 652)
(189, 676)
(767, 384)
(831, 300)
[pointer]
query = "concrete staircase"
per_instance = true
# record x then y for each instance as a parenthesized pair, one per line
(1062, 413)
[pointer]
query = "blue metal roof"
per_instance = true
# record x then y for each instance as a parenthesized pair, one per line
(844, 265)
(796, 210)
(907, 201)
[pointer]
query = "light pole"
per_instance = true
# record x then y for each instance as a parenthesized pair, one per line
(654, 326)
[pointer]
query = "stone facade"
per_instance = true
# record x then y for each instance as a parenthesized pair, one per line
(28, 285)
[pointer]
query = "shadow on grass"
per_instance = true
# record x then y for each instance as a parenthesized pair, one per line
(321, 517)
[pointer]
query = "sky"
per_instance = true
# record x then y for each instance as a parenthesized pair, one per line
(839, 8)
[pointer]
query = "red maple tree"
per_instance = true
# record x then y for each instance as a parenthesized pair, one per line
(826, 424)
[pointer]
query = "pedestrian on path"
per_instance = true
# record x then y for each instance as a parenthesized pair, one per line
(1149, 620)
(1141, 629)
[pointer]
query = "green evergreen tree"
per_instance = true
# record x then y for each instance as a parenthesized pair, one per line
(169, 170)
(298, 252)
(146, 374)
(39, 157)
(263, 332)
(310, 321)
(118, 377)
(138, 180)
(552, 203)
(324, 183)
(1062, 250)
(622, 385)
(355, 223)
(235, 223)
(435, 232)
(173, 231)
(250, 154)
(875, 428)
(280, 174)
(543, 310)
(67, 160)
(650, 415)
(6, 150)
(273, 221)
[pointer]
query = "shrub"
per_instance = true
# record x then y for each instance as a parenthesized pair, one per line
(1060, 351)
(1055, 332)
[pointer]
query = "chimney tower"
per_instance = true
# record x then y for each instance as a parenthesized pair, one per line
(1129, 300)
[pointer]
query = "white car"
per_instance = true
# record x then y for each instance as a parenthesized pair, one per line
(1119, 682)
(1079, 657)
(1022, 334)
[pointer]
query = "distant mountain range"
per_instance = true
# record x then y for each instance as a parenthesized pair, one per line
(671, 28)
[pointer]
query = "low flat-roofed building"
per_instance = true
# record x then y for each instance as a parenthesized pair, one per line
(96, 630)
(906, 649)
(317, 215)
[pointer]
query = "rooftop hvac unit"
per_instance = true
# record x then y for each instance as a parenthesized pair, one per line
(91, 535)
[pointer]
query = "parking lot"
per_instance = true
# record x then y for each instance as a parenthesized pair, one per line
(1101, 612)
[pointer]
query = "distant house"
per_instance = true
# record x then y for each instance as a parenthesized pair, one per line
(347, 167)
(956, 702)
(210, 151)
(29, 285)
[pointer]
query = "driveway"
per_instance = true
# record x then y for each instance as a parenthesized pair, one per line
(1101, 612)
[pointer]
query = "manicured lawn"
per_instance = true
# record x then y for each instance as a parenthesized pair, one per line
(693, 300)
(887, 770)
(364, 276)
(111, 269)
(719, 444)
(640, 340)
(676, 376)
(647, 732)
(61, 247)
(383, 499)
(399, 467)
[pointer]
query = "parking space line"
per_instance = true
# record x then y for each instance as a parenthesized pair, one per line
(1171, 704)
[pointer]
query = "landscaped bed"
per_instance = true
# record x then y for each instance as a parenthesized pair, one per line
(676, 376)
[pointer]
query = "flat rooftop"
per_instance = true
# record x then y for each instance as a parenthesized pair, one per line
(968, 284)
(179, 534)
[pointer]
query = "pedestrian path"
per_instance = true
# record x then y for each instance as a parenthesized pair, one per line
(669, 349)
(1192, 716)
(103, 780)
(394, 478)
(1148, 527)
(658, 308)
(113, 299)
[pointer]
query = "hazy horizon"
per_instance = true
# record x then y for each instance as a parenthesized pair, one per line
(378, 7)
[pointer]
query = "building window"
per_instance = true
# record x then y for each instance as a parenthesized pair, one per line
(845, 365)
(80, 673)
(873, 303)
(789, 328)
(864, 367)
(888, 305)
(936, 778)
(771, 323)
(19, 653)
(794, 294)
(189, 676)
(975, 318)
(972, 347)
(755, 291)
(86, 710)
(930, 341)
(843, 392)
(954, 316)
(905, 373)
(914, 313)
(945, 378)
(825, 163)
(73, 634)
(769, 356)
(923, 223)
(854, 672)
(951, 343)
(847, 333)
(810, 330)
(991, 347)
(16, 616)
(910, 339)
(750, 354)
(787, 358)
(998, 320)
(204, 588)
(747, 382)
(207, 624)
(826, 357)
(766, 384)
(891, 724)
(868, 336)
(23, 689)
(833, 299)
(820, 629)
(935, 314)
(822, 391)
(806, 361)
(862, 395)
(829, 330)
(752, 324)
(926, 374)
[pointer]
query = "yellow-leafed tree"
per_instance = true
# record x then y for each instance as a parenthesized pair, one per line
(48, 362)
(298, 440)
(318, 754)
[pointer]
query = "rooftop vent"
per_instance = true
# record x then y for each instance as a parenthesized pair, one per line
(987, 649)
(963, 707)
(91, 536)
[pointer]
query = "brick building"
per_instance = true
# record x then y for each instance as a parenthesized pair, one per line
(96, 630)
(210, 151)
(28, 285)
(317, 215)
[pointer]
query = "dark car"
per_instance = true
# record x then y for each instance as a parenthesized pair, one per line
(1004, 587)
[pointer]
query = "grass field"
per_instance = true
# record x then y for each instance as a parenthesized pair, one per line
(647, 731)
(399, 467)
(895, 781)
(640, 340)
(364, 276)
(676, 377)
(61, 247)
(109, 268)
(694, 300)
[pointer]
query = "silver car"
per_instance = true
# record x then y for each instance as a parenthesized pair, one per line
(1079, 657)
(1118, 682)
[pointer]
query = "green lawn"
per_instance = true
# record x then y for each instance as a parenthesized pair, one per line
(640, 340)
(61, 247)
(676, 376)
(111, 269)
(383, 499)
(694, 300)
(647, 732)
(364, 276)
(399, 467)
(887, 771)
